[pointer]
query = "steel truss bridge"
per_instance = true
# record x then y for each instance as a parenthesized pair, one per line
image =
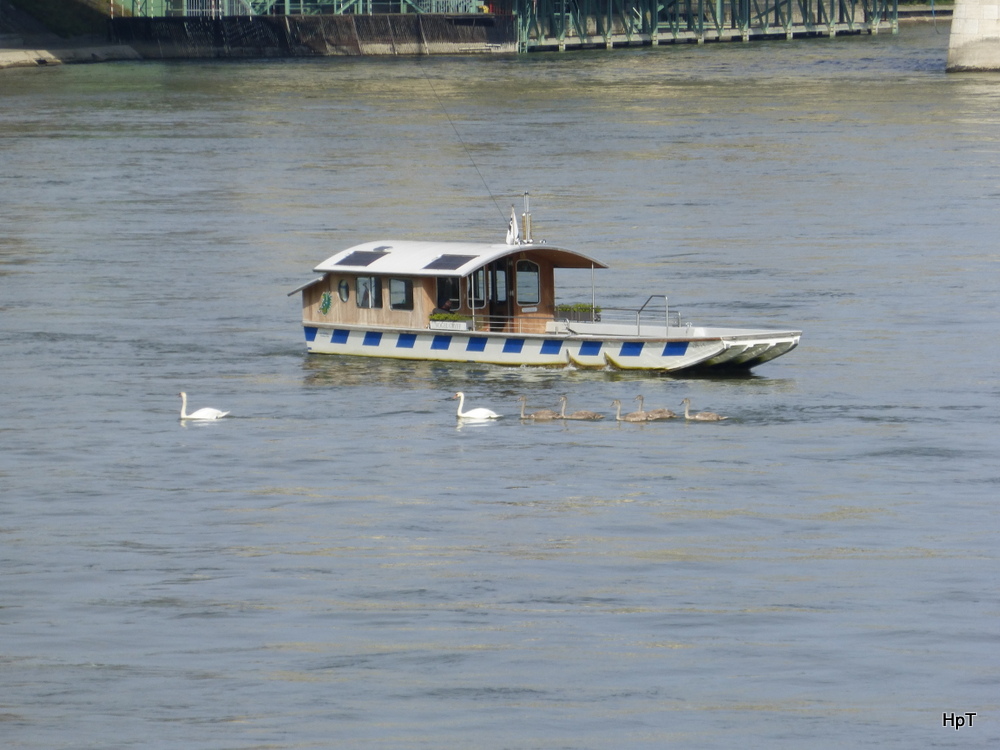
(569, 24)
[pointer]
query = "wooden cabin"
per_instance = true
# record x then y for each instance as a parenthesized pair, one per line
(402, 284)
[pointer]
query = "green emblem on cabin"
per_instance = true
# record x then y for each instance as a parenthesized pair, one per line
(325, 301)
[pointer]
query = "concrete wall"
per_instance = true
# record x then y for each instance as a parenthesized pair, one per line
(975, 36)
(316, 36)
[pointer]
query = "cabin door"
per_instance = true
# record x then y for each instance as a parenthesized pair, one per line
(500, 294)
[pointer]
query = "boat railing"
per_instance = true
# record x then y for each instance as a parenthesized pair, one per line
(652, 318)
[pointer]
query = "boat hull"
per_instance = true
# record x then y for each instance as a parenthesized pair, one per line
(725, 349)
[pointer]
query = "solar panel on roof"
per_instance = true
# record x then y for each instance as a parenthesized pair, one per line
(361, 258)
(449, 262)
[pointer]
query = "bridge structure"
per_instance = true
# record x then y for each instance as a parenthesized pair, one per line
(562, 24)
(533, 25)
(974, 44)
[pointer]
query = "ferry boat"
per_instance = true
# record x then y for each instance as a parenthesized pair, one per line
(496, 304)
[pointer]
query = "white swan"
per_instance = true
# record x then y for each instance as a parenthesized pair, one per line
(206, 413)
(478, 413)
(700, 416)
(630, 417)
(541, 414)
(577, 414)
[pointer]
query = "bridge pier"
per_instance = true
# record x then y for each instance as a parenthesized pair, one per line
(974, 43)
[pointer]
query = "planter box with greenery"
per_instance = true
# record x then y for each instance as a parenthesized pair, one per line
(581, 312)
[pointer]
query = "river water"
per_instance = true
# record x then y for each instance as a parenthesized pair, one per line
(338, 564)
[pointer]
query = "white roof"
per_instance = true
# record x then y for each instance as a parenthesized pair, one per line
(409, 258)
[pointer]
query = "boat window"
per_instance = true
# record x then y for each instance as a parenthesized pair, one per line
(477, 289)
(344, 290)
(447, 289)
(400, 294)
(500, 284)
(527, 283)
(368, 291)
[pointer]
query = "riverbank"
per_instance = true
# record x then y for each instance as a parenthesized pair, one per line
(63, 31)
(26, 53)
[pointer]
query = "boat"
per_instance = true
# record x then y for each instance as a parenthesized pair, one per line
(496, 304)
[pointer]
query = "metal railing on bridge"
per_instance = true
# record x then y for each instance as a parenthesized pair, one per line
(594, 23)
(565, 24)
(230, 8)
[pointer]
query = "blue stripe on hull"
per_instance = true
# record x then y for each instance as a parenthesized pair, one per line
(511, 351)
(551, 346)
(448, 347)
